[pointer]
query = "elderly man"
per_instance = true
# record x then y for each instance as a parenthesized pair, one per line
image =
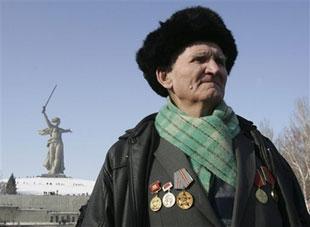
(195, 162)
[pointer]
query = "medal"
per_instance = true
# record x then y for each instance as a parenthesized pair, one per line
(261, 196)
(271, 180)
(169, 198)
(264, 176)
(182, 179)
(260, 181)
(155, 203)
(185, 200)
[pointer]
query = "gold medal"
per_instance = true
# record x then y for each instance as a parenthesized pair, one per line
(185, 200)
(155, 203)
(261, 196)
(182, 180)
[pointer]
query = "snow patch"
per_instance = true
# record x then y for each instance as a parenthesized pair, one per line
(53, 186)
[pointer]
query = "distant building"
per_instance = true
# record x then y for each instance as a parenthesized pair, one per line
(44, 201)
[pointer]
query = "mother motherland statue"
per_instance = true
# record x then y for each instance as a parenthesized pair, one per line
(54, 161)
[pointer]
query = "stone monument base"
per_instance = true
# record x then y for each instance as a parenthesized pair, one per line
(59, 175)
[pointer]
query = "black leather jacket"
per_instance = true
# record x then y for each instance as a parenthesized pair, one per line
(120, 194)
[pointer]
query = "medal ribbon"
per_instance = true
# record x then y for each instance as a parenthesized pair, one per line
(182, 179)
(155, 187)
(264, 176)
(167, 186)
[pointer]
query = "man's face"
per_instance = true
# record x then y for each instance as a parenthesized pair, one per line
(199, 74)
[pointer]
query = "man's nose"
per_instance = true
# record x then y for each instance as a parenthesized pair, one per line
(211, 66)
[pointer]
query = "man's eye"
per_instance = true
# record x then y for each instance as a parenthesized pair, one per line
(220, 60)
(200, 59)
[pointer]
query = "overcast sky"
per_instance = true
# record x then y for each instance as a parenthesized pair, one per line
(88, 49)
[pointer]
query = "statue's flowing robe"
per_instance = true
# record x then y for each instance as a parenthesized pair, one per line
(54, 161)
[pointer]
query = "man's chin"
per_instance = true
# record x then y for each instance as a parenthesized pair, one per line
(214, 97)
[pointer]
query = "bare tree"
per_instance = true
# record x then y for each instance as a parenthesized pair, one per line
(266, 129)
(294, 144)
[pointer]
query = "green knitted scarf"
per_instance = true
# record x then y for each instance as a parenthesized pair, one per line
(206, 140)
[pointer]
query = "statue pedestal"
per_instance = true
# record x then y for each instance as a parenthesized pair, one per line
(60, 175)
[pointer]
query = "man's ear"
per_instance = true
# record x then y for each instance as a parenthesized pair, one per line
(164, 79)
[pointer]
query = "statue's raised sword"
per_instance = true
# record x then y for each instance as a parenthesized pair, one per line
(49, 97)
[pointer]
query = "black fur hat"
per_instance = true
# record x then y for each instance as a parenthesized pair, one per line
(185, 27)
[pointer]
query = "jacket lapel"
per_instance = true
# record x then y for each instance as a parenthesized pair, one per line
(171, 159)
(246, 168)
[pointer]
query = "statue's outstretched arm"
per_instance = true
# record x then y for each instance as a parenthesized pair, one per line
(66, 130)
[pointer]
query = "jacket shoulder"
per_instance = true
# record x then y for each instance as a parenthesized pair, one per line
(245, 124)
(135, 131)
(117, 155)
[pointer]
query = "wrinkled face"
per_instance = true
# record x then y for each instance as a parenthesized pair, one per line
(198, 75)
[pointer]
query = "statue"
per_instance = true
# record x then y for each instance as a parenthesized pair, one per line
(54, 161)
